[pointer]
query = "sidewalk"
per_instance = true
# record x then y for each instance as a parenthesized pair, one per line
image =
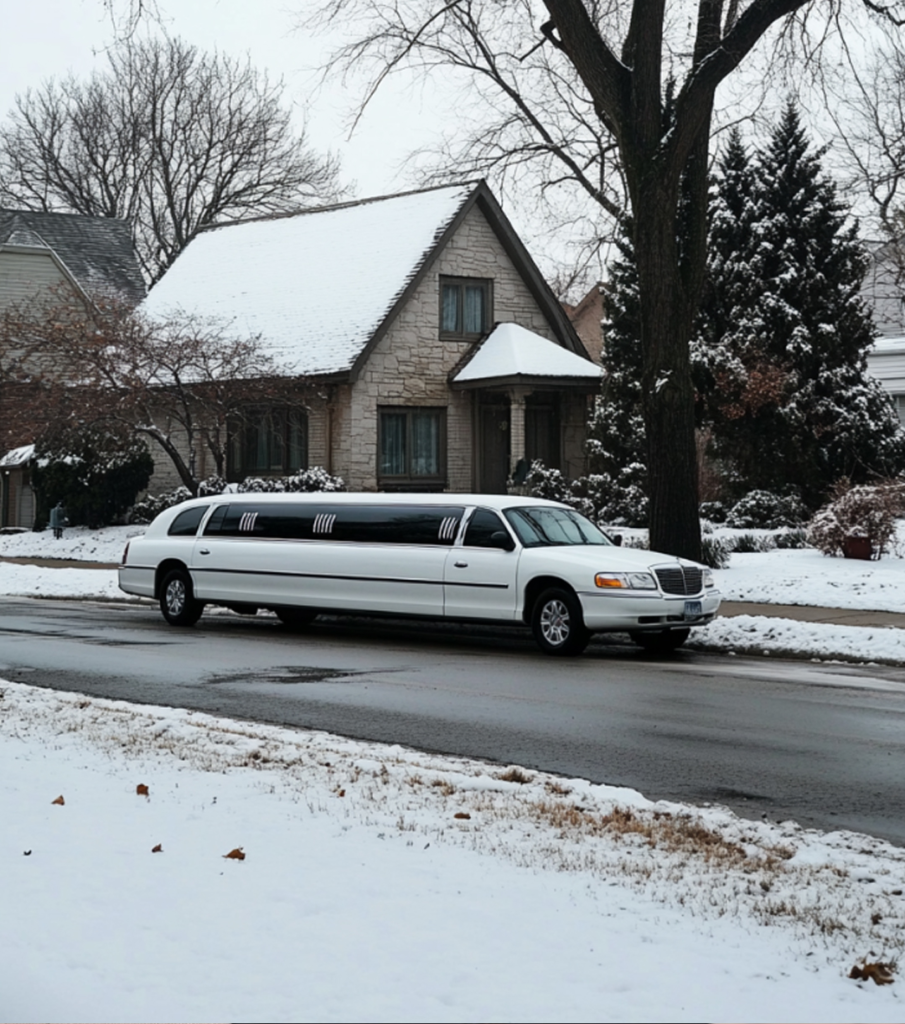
(807, 613)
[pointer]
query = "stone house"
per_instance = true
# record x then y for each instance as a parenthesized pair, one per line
(431, 353)
(52, 257)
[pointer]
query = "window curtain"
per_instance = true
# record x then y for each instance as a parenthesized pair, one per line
(392, 443)
(425, 444)
(450, 312)
(474, 309)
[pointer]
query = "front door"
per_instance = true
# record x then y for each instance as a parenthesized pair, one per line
(493, 446)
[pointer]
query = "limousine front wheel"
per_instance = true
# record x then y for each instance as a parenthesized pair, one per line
(557, 623)
(177, 601)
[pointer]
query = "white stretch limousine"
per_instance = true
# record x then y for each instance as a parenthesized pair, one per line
(468, 557)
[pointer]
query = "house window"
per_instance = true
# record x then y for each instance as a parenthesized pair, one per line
(900, 407)
(411, 448)
(269, 442)
(465, 306)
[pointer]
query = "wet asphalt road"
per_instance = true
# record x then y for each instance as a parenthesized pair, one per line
(823, 744)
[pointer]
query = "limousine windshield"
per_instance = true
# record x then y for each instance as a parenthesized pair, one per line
(552, 527)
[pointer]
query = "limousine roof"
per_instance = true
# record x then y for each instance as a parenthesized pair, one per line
(495, 501)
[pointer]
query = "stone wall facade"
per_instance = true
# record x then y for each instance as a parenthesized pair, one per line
(411, 364)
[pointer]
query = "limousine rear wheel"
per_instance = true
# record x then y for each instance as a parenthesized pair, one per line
(177, 601)
(557, 623)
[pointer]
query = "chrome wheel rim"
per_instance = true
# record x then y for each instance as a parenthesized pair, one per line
(175, 597)
(554, 623)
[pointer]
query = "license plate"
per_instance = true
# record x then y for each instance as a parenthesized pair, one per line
(693, 610)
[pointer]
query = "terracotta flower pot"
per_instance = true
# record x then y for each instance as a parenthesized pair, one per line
(857, 547)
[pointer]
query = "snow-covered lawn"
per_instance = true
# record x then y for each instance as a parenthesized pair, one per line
(384, 884)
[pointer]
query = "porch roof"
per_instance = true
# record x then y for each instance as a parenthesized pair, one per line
(512, 354)
(17, 456)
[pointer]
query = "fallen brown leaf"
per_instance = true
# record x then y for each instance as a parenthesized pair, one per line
(236, 854)
(881, 973)
(142, 790)
(157, 849)
(59, 800)
(462, 814)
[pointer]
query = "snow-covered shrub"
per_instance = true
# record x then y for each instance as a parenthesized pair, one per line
(713, 511)
(211, 485)
(766, 510)
(600, 497)
(858, 512)
(715, 552)
(150, 506)
(306, 480)
(747, 544)
(542, 482)
(94, 474)
(786, 539)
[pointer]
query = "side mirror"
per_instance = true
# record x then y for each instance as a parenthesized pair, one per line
(616, 538)
(501, 539)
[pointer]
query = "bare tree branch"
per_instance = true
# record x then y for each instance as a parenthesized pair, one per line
(169, 137)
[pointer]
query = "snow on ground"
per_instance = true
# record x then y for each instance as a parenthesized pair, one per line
(805, 576)
(759, 634)
(78, 542)
(384, 884)
(790, 577)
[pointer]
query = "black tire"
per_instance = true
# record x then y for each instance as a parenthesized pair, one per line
(663, 641)
(557, 623)
(295, 618)
(177, 599)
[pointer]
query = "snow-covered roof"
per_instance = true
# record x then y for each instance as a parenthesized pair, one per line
(513, 351)
(17, 456)
(315, 285)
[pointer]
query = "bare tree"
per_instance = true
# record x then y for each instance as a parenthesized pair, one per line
(183, 383)
(633, 78)
(170, 137)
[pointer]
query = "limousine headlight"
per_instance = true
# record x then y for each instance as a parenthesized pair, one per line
(707, 576)
(625, 581)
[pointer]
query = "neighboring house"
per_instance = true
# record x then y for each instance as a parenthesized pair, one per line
(587, 319)
(883, 290)
(52, 256)
(433, 354)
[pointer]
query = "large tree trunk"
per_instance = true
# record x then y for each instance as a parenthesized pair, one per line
(668, 392)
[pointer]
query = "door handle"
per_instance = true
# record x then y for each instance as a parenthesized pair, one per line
(461, 565)
(204, 551)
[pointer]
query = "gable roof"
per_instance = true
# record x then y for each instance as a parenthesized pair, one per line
(322, 286)
(511, 354)
(96, 252)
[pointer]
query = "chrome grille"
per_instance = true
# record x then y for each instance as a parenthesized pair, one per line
(680, 579)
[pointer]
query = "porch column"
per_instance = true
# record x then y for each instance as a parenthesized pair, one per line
(517, 398)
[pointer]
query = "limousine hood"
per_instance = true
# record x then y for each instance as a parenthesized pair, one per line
(606, 559)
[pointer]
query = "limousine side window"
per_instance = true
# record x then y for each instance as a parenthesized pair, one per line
(186, 523)
(481, 529)
(384, 524)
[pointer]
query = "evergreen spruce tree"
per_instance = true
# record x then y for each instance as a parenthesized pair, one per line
(616, 441)
(784, 334)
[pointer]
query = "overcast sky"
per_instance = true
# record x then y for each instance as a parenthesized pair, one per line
(45, 38)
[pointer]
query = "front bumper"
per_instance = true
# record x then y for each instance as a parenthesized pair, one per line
(616, 612)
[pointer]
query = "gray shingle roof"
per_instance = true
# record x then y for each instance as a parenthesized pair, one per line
(97, 251)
